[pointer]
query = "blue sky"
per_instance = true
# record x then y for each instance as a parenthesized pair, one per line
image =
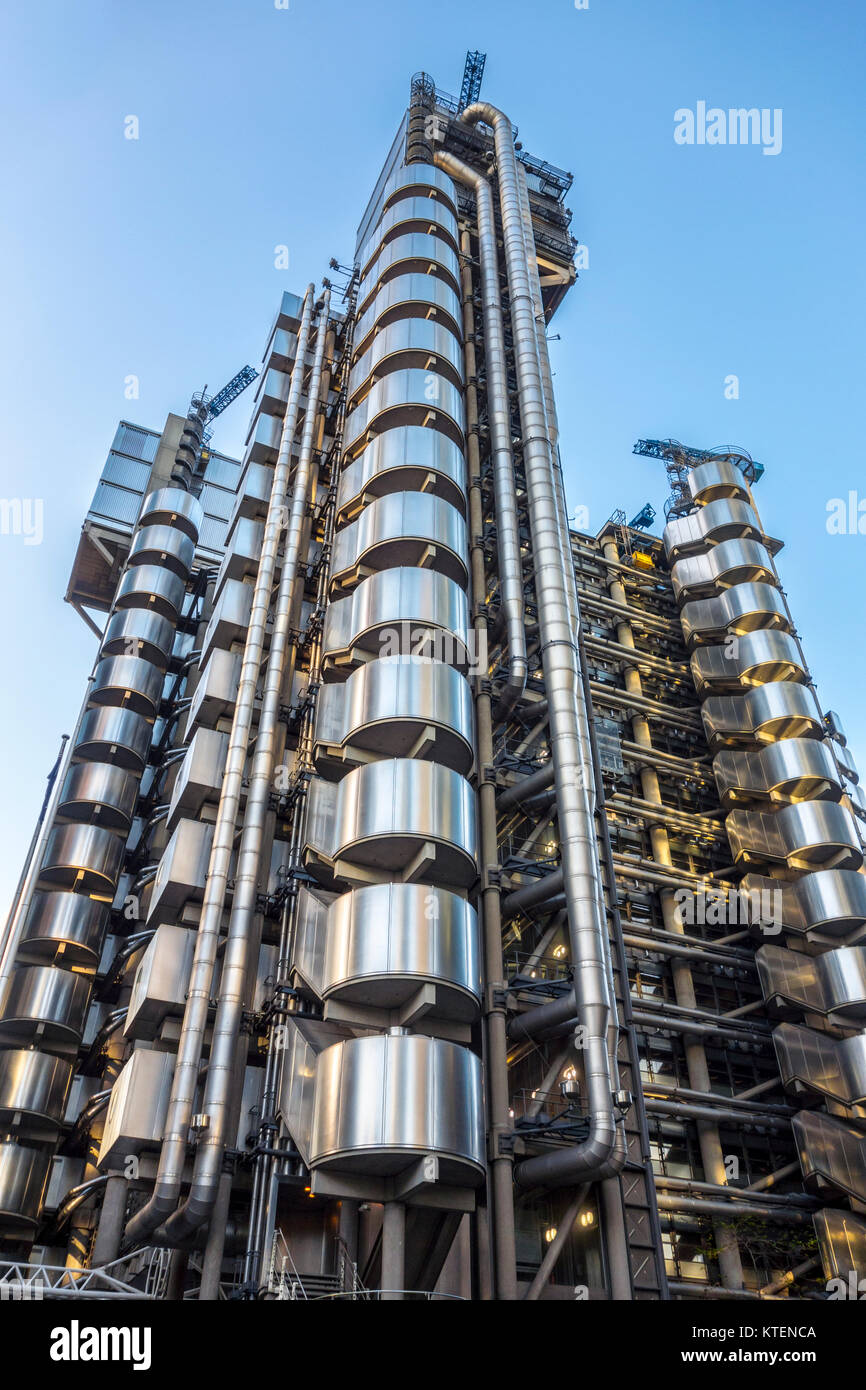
(262, 126)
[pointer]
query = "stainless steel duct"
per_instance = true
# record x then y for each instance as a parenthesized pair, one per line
(173, 1152)
(233, 980)
(601, 1155)
(499, 416)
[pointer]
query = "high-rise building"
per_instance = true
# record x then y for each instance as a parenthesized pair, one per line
(434, 899)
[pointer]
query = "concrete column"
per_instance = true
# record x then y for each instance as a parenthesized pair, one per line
(393, 1251)
(106, 1247)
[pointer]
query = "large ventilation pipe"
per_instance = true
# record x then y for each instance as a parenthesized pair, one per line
(222, 1063)
(180, 1109)
(601, 1155)
(499, 415)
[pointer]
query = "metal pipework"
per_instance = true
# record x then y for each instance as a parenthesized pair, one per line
(233, 981)
(180, 1109)
(601, 1155)
(499, 416)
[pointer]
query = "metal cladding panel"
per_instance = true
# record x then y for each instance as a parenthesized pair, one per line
(101, 793)
(200, 774)
(727, 518)
(385, 940)
(33, 1091)
(386, 701)
(409, 343)
(758, 658)
(298, 1086)
(173, 506)
(831, 1154)
(732, 562)
(386, 812)
(134, 632)
(160, 984)
(230, 618)
(418, 214)
(85, 856)
(426, 179)
(24, 1176)
(743, 608)
(410, 296)
(718, 478)
(308, 945)
(408, 396)
(70, 923)
(129, 682)
(163, 545)
(407, 458)
(842, 1242)
(413, 252)
(401, 606)
(242, 557)
(844, 974)
(40, 997)
(152, 587)
(791, 770)
(384, 1101)
(830, 1067)
(136, 1114)
(182, 871)
(110, 734)
(216, 691)
(402, 530)
(810, 834)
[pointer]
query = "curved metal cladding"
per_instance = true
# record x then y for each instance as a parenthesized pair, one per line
(400, 828)
(407, 297)
(715, 479)
(407, 343)
(732, 562)
(781, 709)
(385, 940)
(399, 707)
(44, 1006)
(723, 520)
(768, 738)
(397, 612)
(742, 609)
(410, 396)
(754, 659)
(410, 214)
(407, 458)
(793, 770)
(383, 1102)
(402, 530)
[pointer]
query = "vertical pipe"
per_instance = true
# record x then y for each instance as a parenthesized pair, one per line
(222, 1064)
(106, 1247)
(173, 1153)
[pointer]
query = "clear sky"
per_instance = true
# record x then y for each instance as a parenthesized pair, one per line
(261, 126)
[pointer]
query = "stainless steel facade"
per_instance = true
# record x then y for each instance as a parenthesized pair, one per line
(435, 899)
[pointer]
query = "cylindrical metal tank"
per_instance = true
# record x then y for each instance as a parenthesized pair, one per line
(137, 633)
(112, 735)
(163, 545)
(43, 999)
(385, 941)
(85, 857)
(151, 587)
(24, 1173)
(33, 1091)
(384, 1101)
(172, 506)
(128, 682)
(70, 925)
(99, 793)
